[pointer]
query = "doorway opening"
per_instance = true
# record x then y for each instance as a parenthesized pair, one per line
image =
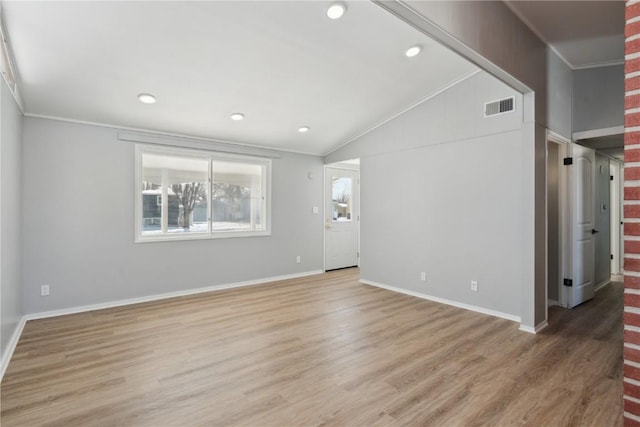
(557, 218)
(584, 210)
(342, 215)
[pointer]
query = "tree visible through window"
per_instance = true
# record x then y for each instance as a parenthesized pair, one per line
(190, 195)
(342, 198)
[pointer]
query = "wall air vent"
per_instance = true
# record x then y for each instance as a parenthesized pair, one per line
(500, 106)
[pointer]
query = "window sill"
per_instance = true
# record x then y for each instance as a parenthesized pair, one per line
(201, 236)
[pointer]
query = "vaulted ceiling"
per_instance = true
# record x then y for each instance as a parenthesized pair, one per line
(283, 65)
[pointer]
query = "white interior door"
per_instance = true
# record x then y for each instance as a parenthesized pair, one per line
(342, 215)
(582, 225)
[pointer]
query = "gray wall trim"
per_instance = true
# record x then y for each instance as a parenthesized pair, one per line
(7, 352)
(600, 65)
(597, 133)
(12, 65)
(162, 134)
(209, 145)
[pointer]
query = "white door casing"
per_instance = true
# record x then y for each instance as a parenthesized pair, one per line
(617, 240)
(560, 222)
(342, 216)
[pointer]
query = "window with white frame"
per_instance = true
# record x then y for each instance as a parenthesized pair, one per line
(185, 194)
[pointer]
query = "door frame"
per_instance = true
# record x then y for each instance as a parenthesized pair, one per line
(566, 209)
(343, 166)
(617, 197)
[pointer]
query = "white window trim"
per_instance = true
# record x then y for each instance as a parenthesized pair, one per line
(140, 149)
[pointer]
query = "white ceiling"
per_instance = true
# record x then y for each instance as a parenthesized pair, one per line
(583, 33)
(613, 145)
(282, 64)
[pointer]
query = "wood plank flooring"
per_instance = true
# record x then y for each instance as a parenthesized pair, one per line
(321, 350)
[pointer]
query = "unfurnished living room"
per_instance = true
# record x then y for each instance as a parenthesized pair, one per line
(346, 213)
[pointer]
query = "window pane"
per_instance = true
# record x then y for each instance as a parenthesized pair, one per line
(174, 194)
(151, 200)
(342, 198)
(237, 195)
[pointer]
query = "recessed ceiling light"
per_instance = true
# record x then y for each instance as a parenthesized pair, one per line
(147, 98)
(303, 129)
(237, 116)
(413, 51)
(336, 10)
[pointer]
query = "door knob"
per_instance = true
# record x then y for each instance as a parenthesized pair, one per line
(594, 231)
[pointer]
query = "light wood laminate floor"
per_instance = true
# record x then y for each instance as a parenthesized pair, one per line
(321, 350)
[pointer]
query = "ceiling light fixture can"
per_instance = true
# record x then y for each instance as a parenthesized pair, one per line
(147, 98)
(237, 116)
(336, 10)
(413, 51)
(303, 129)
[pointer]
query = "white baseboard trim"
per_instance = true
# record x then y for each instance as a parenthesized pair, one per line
(118, 303)
(538, 328)
(602, 285)
(552, 302)
(443, 301)
(11, 347)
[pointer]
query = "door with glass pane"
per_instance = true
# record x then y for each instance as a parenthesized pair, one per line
(341, 218)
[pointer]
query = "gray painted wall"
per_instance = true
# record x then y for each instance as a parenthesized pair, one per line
(598, 98)
(79, 204)
(602, 202)
(559, 95)
(442, 193)
(453, 115)
(11, 190)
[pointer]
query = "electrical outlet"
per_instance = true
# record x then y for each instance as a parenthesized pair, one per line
(298, 260)
(315, 210)
(423, 276)
(44, 290)
(474, 285)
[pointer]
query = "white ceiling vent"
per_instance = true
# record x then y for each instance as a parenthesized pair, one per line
(500, 106)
